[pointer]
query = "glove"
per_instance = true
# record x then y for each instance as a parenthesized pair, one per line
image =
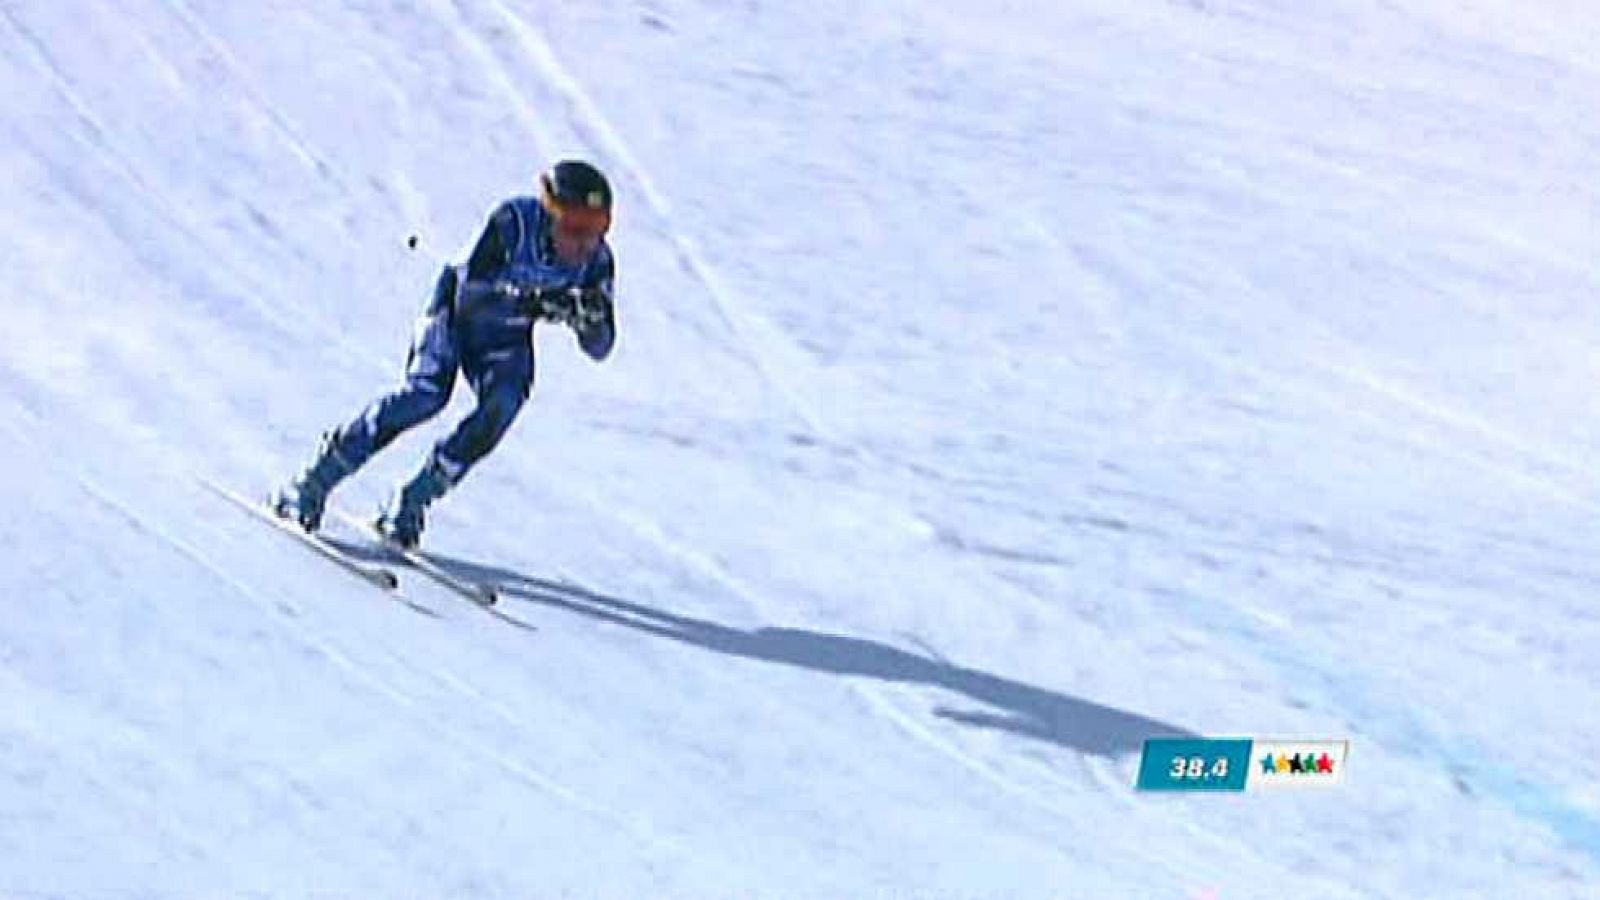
(579, 308)
(592, 307)
(557, 305)
(537, 302)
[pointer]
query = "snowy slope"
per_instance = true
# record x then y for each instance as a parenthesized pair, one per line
(999, 385)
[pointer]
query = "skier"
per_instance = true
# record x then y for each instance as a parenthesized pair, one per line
(543, 257)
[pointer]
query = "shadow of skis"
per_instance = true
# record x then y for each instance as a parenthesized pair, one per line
(1008, 705)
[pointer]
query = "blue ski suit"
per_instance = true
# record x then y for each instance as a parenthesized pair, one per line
(470, 326)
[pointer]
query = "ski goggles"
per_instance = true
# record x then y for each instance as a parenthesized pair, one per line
(580, 223)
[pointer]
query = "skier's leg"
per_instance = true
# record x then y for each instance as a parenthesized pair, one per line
(430, 377)
(502, 379)
(430, 373)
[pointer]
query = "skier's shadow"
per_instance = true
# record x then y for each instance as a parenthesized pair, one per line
(1012, 706)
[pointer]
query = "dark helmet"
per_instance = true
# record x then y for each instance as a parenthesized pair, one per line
(573, 184)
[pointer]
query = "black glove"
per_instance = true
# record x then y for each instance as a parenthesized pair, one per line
(577, 307)
(555, 305)
(592, 307)
(538, 302)
(580, 308)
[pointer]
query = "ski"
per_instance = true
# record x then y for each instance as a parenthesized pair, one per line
(377, 575)
(483, 595)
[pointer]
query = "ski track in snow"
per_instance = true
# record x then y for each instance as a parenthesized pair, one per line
(762, 346)
(241, 285)
(292, 138)
(294, 616)
(463, 689)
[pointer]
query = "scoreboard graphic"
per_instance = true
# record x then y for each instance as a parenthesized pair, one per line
(1240, 764)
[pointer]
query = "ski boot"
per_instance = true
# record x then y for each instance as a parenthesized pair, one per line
(403, 519)
(304, 498)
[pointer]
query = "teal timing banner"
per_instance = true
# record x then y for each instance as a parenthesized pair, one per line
(1194, 764)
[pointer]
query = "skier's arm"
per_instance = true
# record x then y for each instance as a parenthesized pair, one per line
(597, 336)
(493, 250)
